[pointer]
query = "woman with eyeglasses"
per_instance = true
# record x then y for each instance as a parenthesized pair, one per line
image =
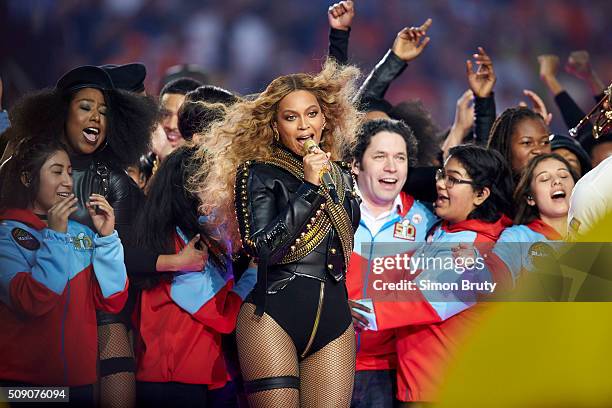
(542, 197)
(474, 192)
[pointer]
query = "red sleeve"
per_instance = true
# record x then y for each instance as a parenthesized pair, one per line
(30, 297)
(111, 304)
(220, 312)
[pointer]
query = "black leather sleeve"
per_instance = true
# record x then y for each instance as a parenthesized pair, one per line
(338, 45)
(126, 198)
(484, 116)
(378, 81)
(271, 211)
(570, 111)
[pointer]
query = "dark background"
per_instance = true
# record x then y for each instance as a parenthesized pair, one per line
(243, 44)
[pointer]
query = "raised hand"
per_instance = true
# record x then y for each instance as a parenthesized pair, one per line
(57, 215)
(340, 15)
(579, 65)
(411, 41)
(103, 217)
(464, 112)
(549, 66)
(483, 79)
(538, 105)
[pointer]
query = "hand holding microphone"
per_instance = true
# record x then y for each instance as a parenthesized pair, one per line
(316, 169)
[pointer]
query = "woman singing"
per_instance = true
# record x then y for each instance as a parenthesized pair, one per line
(295, 339)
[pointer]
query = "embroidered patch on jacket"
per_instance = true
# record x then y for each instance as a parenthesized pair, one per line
(574, 224)
(25, 239)
(82, 241)
(404, 230)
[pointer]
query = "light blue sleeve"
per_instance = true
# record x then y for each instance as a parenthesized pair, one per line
(447, 303)
(192, 290)
(108, 264)
(246, 283)
(511, 249)
(5, 123)
(49, 265)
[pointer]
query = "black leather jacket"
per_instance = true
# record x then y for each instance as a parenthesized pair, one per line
(276, 210)
(90, 175)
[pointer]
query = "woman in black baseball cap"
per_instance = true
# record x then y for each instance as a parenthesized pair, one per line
(105, 129)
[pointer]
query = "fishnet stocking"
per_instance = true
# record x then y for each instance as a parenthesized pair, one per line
(266, 350)
(326, 377)
(116, 390)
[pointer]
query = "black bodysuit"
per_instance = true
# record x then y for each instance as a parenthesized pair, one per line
(302, 242)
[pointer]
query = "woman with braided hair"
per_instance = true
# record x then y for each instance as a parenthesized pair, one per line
(295, 339)
(519, 134)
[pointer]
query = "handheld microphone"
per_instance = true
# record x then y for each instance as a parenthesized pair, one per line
(309, 147)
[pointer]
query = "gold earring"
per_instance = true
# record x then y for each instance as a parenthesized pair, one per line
(276, 135)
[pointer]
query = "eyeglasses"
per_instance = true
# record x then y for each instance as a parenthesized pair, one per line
(450, 181)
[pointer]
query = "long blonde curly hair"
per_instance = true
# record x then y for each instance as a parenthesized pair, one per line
(246, 133)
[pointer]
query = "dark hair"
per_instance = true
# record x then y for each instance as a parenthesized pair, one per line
(372, 103)
(414, 114)
(169, 205)
(195, 115)
(145, 166)
(526, 213)
(500, 138)
(371, 128)
(180, 86)
(27, 160)
(487, 168)
(130, 121)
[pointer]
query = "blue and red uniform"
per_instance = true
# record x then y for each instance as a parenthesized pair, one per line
(511, 254)
(405, 230)
(429, 327)
(180, 324)
(51, 284)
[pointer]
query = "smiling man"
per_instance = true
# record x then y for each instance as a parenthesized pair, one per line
(171, 98)
(389, 217)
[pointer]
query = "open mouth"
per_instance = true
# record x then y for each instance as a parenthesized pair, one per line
(302, 139)
(173, 136)
(558, 195)
(441, 200)
(388, 182)
(91, 134)
(64, 194)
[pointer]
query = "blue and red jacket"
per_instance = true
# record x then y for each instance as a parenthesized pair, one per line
(402, 233)
(180, 324)
(511, 254)
(51, 284)
(429, 329)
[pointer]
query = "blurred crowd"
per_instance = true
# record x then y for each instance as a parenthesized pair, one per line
(243, 44)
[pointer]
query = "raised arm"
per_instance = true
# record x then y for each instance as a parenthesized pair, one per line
(408, 45)
(340, 17)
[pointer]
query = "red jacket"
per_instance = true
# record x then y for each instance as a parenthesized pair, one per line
(376, 349)
(428, 338)
(51, 284)
(180, 325)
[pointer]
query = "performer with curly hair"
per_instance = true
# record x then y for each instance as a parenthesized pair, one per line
(295, 339)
